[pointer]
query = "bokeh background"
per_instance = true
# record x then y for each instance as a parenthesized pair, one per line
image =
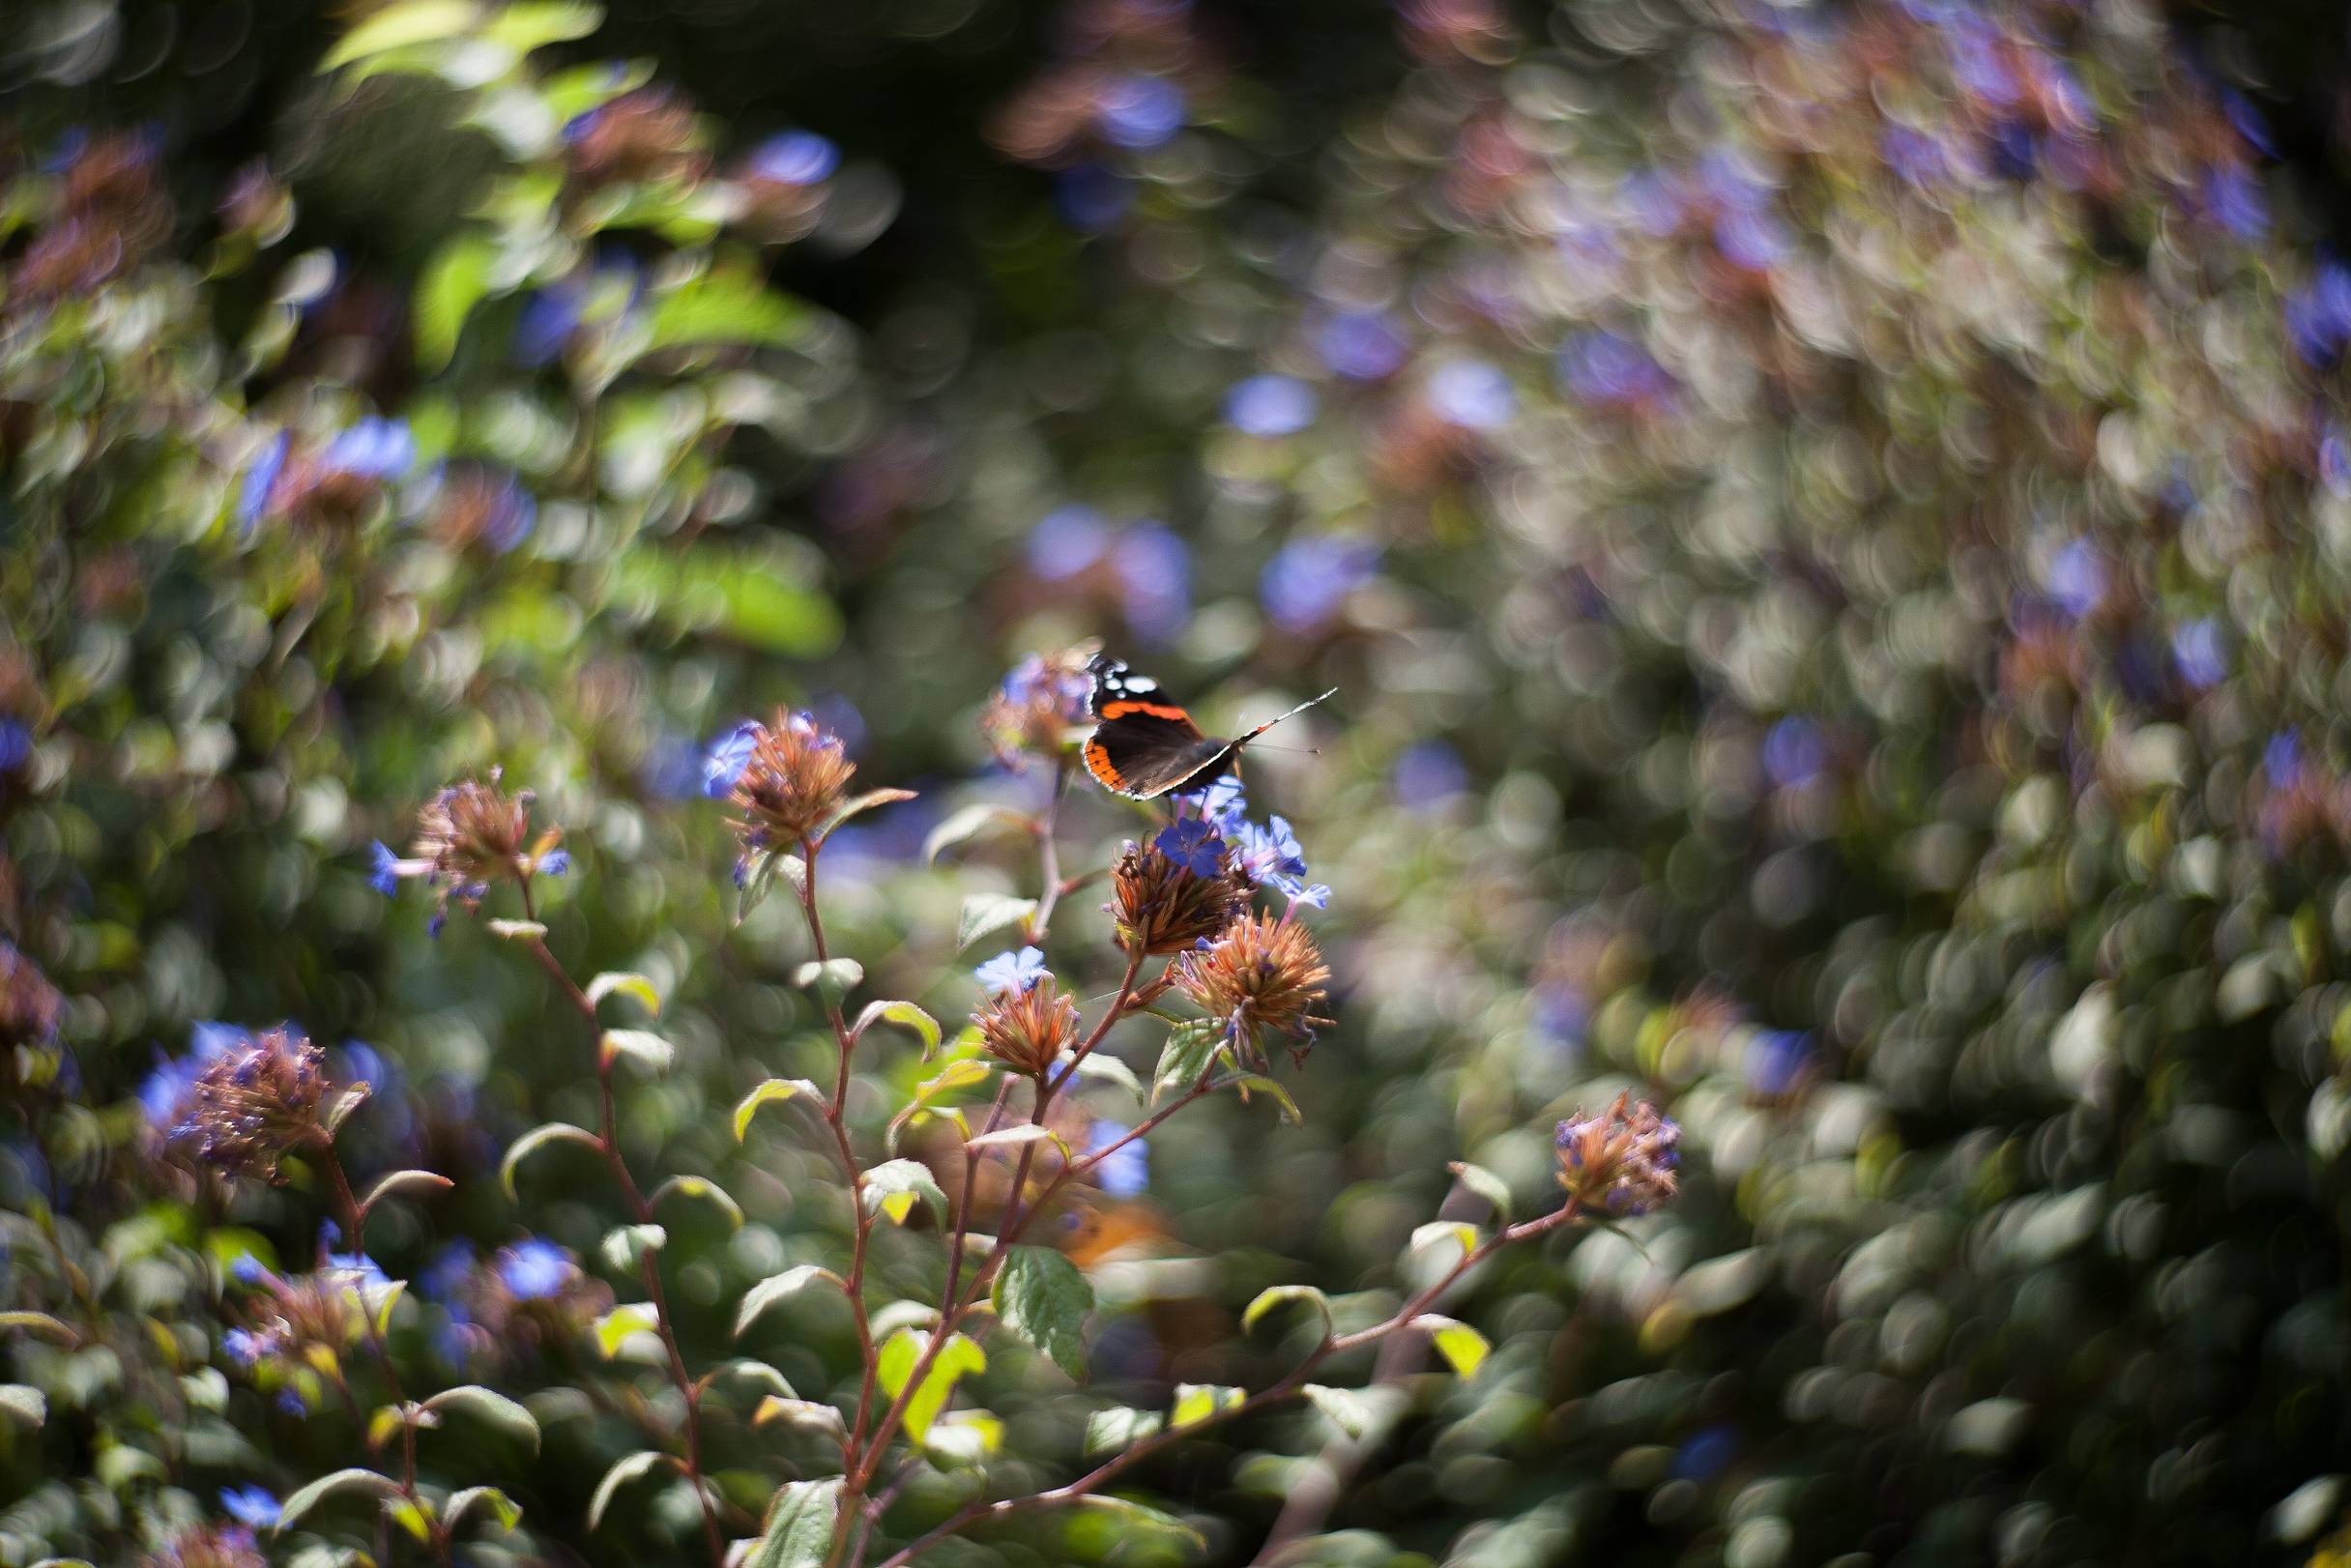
(1831, 523)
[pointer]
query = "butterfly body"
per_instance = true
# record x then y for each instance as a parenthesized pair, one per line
(1144, 745)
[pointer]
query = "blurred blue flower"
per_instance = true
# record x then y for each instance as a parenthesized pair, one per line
(374, 448)
(725, 759)
(1193, 845)
(2077, 578)
(1705, 1454)
(253, 497)
(1603, 367)
(2282, 758)
(555, 863)
(1155, 581)
(2234, 198)
(792, 157)
(250, 1505)
(1560, 1013)
(15, 744)
(2248, 121)
(1793, 752)
(1270, 405)
(1775, 1059)
(1091, 199)
(1269, 852)
(2318, 316)
(1752, 238)
(2335, 463)
(533, 1269)
(1916, 158)
(1066, 542)
(243, 1347)
(671, 769)
(162, 1090)
(1429, 776)
(1655, 200)
(1127, 1172)
(291, 1402)
(1139, 112)
(548, 318)
(1472, 394)
(247, 1269)
(442, 1279)
(1307, 580)
(1222, 804)
(1360, 345)
(2199, 651)
(1012, 972)
(384, 869)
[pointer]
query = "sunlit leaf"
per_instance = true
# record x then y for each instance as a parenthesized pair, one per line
(495, 1409)
(453, 281)
(893, 1187)
(776, 1286)
(1133, 1516)
(1191, 1048)
(399, 25)
(298, 1507)
(424, 1183)
(622, 1323)
(896, 1364)
(905, 1013)
(1346, 1408)
(624, 1245)
(987, 913)
(774, 1091)
(25, 1403)
(1463, 1347)
(799, 1526)
(1121, 1427)
(642, 1046)
(701, 1190)
(1195, 1403)
(1040, 1295)
(538, 1138)
(1275, 1297)
(624, 983)
(1487, 1186)
(966, 823)
(502, 1508)
(631, 1468)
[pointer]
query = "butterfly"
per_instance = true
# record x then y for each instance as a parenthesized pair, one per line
(1144, 745)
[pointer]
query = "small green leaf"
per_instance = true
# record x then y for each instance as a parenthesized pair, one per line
(802, 1521)
(629, 1468)
(622, 1323)
(642, 1046)
(761, 875)
(1195, 1403)
(831, 980)
(724, 308)
(702, 1190)
(1461, 1235)
(963, 1439)
(1346, 1408)
(896, 1366)
(745, 1369)
(420, 1182)
(502, 1508)
(530, 24)
(400, 26)
(1463, 1347)
(626, 984)
(1103, 1067)
(966, 823)
(806, 1413)
(1121, 1427)
(496, 1408)
(1268, 1299)
(516, 930)
(985, 912)
(924, 1025)
(1191, 1048)
(862, 804)
(345, 1102)
(775, 1286)
(1134, 1516)
(1015, 1136)
(1255, 1083)
(300, 1504)
(1042, 1296)
(774, 1091)
(892, 1186)
(538, 1138)
(1487, 1186)
(625, 1244)
(453, 281)
(41, 1324)
(25, 1403)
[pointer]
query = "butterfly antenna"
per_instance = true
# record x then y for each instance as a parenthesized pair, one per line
(1293, 713)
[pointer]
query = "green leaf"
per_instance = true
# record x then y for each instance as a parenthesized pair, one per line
(41, 1324)
(295, 1507)
(1195, 1403)
(1487, 1186)
(774, 1091)
(1042, 1296)
(531, 24)
(775, 1286)
(25, 1403)
(831, 980)
(1190, 1051)
(398, 27)
(748, 1370)
(496, 1408)
(516, 930)
(725, 308)
(454, 281)
(1463, 1347)
(747, 594)
(924, 1025)
(962, 1440)
(502, 1508)
(702, 1190)
(965, 825)
(1134, 1516)
(806, 1413)
(622, 1323)
(892, 1186)
(631, 1468)
(985, 912)
(424, 1181)
(1268, 1299)
(764, 869)
(1015, 1136)
(1254, 1082)
(1460, 1234)
(1121, 1427)
(346, 1102)
(625, 1244)
(896, 1365)
(862, 803)
(627, 984)
(1101, 1065)
(799, 1527)
(642, 1046)
(1346, 1408)
(538, 1138)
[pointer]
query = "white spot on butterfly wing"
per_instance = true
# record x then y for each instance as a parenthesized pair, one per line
(1142, 682)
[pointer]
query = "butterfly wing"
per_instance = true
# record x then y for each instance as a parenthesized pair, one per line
(1143, 746)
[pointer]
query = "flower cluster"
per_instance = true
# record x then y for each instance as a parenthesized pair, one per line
(251, 1105)
(1039, 706)
(529, 1297)
(326, 486)
(1161, 901)
(469, 836)
(1026, 1023)
(1623, 1160)
(299, 1329)
(786, 777)
(111, 212)
(1263, 976)
(210, 1546)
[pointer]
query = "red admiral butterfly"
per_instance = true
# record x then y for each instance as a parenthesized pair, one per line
(1144, 745)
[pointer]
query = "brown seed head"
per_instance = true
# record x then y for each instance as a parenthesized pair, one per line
(791, 783)
(1264, 975)
(1622, 1160)
(1027, 1031)
(1163, 908)
(256, 1103)
(210, 1546)
(474, 835)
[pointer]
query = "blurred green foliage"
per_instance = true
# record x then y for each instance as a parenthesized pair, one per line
(1829, 524)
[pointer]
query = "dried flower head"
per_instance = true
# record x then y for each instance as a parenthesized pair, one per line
(1622, 1160)
(788, 775)
(1263, 974)
(210, 1546)
(1162, 906)
(29, 1004)
(253, 1104)
(300, 1328)
(1040, 704)
(469, 836)
(1027, 1027)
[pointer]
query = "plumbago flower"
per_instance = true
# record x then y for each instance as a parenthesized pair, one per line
(1040, 707)
(470, 836)
(257, 1101)
(1263, 976)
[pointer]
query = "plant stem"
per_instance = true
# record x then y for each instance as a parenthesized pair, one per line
(642, 1212)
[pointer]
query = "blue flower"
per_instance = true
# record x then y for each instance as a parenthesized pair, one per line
(1793, 752)
(1125, 1172)
(250, 1505)
(548, 319)
(1012, 972)
(2077, 578)
(1472, 394)
(290, 1401)
(792, 157)
(533, 1269)
(1271, 406)
(1066, 542)
(1155, 580)
(1193, 845)
(247, 1269)
(1429, 776)
(726, 759)
(1361, 345)
(164, 1089)
(445, 1276)
(1223, 805)
(2201, 655)
(253, 499)
(1776, 1059)
(2282, 758)
(1091, 199)
(554, 863)
(243, 1347)
(2234, 199)
(1272, 850)
(1603, 367)
(1307, 580)
(377, 448)
(1139, 112)
(384, 870)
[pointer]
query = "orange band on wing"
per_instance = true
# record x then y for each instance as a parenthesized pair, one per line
(1098, 764)
(1128, 705)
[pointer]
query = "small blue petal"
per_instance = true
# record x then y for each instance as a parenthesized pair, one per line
(1012, 972)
